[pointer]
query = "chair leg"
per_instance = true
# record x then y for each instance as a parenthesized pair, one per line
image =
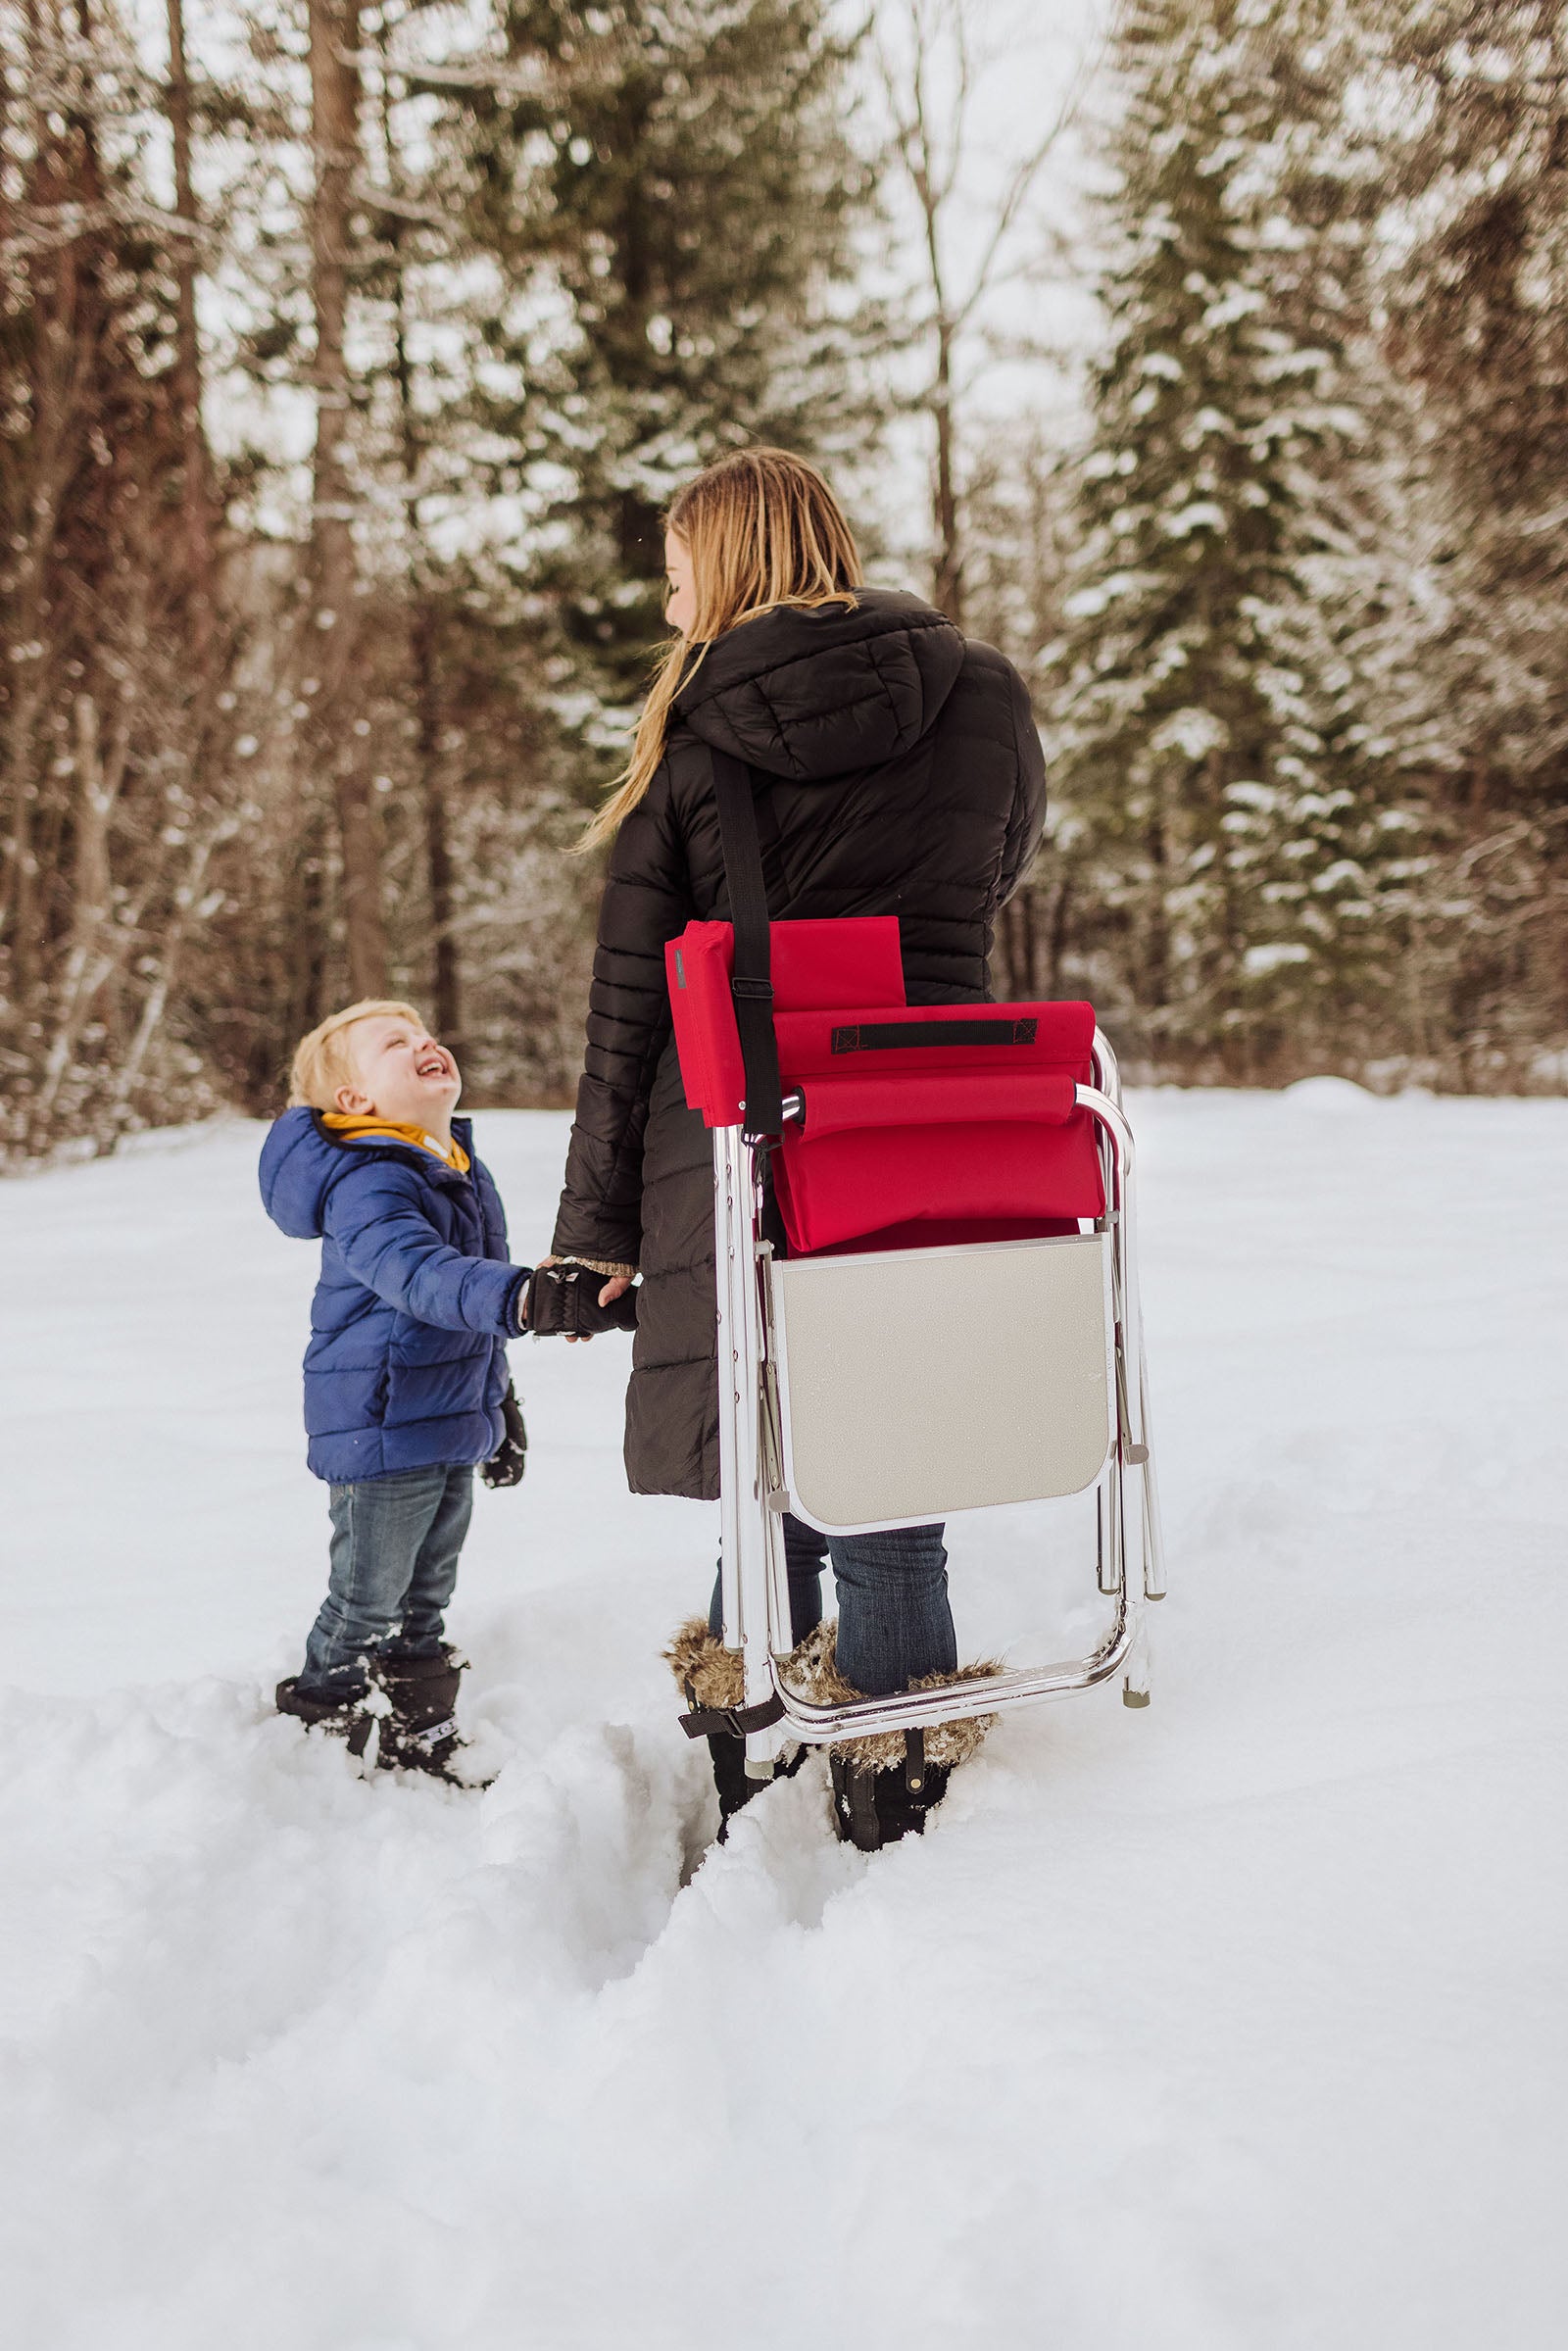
(1135, 1686)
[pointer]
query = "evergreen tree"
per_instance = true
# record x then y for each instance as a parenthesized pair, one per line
(1213, 763)
(690, 195)
(1475, 290)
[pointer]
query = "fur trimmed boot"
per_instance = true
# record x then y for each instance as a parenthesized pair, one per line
(872, 1809)
(710, 1676)
(420, 1734)
(883, 1784)
(886, 1782)
(350, 1718)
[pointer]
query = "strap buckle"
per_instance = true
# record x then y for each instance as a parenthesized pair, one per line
(734, 1722)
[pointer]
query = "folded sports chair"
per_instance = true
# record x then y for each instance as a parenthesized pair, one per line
(937, 1311)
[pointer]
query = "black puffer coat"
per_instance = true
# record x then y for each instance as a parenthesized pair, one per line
(897, 773)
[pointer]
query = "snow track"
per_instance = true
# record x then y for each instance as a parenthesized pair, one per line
(1236, 2023)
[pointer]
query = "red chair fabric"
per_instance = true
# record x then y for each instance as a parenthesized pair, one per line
(1023, 1161)
(924, 1124)
(816, 963)
(956, 1097)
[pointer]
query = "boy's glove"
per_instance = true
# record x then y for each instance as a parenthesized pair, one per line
(507, 1462)
(563, 1303)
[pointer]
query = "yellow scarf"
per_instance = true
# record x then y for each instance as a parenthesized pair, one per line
(365, 1130)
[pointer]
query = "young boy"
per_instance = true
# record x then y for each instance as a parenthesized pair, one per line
(406, 1386)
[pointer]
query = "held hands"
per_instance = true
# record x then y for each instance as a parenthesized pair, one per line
(571, 1301)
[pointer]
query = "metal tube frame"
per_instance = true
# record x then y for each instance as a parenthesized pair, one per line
(754, 1584)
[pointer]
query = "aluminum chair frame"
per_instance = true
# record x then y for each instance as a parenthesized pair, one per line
(754, 1584)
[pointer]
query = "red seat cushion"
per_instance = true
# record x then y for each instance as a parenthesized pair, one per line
(856, 962)
(967, 1131)
(923, 1123)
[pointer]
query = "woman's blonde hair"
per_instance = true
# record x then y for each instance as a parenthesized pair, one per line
(762, 529)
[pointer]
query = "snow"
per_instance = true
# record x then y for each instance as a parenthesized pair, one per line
(1232, 2024)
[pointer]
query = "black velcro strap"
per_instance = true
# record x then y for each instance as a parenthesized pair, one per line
(751, 985)
(712, 1722)
(892, 1036)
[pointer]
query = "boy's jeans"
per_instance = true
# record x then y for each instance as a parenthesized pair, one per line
(895, 1624)
(395, 1547)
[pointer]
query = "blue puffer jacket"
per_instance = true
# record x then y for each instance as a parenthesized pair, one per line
(406, 1364)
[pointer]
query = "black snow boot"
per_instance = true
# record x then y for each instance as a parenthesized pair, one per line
(874, 1808)
(734, 1783)
(420, 1734)
(352, 1718)
(710, 1679)
(729, 1778)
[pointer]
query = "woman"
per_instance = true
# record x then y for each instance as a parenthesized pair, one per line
(897, 771)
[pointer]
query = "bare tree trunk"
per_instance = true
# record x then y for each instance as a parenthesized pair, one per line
(304, 991)
(948, 568)
(1057, 940)
(929, 90)
(92, 953)
(1153, 981)
(335, 636)
(447, 996)
(196, 504)
(33, 517)
(188, 910)
(1020, 945)
(446, 1006)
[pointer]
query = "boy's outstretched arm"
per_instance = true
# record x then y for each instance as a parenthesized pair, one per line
(387, 1241)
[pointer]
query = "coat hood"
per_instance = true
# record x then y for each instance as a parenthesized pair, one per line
(301, 1162)
(811, 695)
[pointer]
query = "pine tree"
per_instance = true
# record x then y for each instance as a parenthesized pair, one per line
(1475, 289)
(1211, 752)
(691, 198)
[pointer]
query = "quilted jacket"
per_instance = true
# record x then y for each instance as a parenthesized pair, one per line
(897, 771)
(407, 1361)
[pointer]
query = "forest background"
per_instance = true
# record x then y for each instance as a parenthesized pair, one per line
(1210, 355)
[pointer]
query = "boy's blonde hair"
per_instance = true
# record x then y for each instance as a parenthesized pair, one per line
(324, 1059)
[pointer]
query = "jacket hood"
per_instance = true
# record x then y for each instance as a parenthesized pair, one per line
(301, 1162)
(811, 695)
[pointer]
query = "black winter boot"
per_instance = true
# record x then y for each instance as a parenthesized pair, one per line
(710, 1677)
(734, 1783)
(874, 1808)
(729, 1778)
(350, 1718)
(420, 1734)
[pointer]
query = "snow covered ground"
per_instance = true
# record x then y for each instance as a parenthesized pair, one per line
(1235, 2022)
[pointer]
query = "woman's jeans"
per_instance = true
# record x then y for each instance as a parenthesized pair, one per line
(895, 1624)
(395, 1542)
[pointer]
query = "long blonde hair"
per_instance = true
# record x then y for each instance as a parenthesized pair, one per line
(762, 529)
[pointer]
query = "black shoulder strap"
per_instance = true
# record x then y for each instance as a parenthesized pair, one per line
(752, 982)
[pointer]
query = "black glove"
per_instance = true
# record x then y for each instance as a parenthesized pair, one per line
(507, 1462)
(563, 1303)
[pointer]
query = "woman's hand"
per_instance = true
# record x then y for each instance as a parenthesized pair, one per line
(616, 1286)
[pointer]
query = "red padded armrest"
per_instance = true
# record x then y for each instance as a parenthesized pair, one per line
(817, 963)
(836, 1104)
(999, 1039)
